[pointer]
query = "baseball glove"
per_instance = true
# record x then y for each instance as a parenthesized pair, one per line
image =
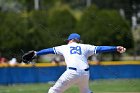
(28, 57)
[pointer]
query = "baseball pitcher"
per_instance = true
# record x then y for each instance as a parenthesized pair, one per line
(76, 55)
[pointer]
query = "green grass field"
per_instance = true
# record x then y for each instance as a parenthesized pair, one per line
(98, 86)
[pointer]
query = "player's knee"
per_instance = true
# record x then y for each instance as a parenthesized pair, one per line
(51, 91)
(90, 92)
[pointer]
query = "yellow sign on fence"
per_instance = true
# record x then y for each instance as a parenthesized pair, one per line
(63, 64)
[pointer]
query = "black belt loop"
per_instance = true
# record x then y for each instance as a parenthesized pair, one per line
(87, 69)
(76, 68)
(72, 68)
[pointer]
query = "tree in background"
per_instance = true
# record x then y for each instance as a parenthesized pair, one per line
(53, 22)
(11, 33)
(136, 35)
(60, 24)
(36, 30)
(105, 27)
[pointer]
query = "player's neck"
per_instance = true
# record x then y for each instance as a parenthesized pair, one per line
(71, 41)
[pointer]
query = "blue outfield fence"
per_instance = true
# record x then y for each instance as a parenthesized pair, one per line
(16, 75)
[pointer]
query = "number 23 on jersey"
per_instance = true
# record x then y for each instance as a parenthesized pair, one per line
(75, 50)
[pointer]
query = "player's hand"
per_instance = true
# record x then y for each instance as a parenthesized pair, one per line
(121, 49)
(28, 57)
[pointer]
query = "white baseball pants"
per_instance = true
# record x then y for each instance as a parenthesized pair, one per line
(69, 78)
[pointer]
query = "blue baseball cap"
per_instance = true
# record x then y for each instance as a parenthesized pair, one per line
(74, 36)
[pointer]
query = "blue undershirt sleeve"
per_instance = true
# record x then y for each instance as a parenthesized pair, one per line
(102, 49)
(45, 51)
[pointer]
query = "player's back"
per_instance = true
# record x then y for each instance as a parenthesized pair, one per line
(76, 54)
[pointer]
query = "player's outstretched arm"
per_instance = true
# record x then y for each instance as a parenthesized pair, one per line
(29, 56)
(102, 49)
(45, 51)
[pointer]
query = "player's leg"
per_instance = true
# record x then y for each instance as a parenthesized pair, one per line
(83, 83)
(67, 79)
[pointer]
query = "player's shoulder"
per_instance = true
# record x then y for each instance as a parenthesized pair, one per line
(86, 45)
(61, 46)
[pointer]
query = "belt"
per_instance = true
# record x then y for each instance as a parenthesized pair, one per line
(72, 68)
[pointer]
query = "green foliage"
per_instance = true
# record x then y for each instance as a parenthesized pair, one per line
(41, 29)
(60, 23)
(36, 30)
(10, 31)
(12, 34)
(105, 27)
(86, 24)
(46, 4)
(136, 34)
(18, 32)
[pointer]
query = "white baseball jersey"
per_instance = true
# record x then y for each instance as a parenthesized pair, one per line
(76, 54)
(76, 58)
